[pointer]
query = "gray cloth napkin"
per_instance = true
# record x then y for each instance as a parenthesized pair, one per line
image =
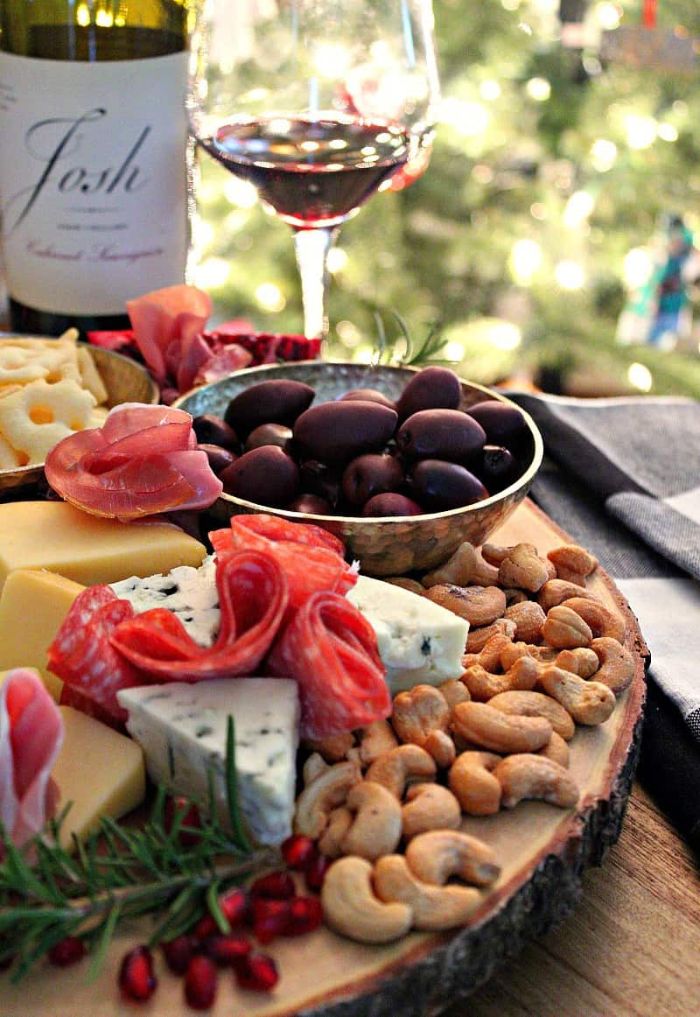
(627, 486)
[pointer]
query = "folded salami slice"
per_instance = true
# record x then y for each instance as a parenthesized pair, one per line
(82, 656)
(31, 734)
(253, 596)
(276, 528)
(331, 651)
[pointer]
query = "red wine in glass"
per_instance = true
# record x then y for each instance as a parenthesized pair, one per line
(314, 172)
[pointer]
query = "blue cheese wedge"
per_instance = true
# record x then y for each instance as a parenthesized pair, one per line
(182, 731)
(419, 641)
(189, 593)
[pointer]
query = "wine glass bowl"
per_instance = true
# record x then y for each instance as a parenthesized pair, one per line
(318, 103)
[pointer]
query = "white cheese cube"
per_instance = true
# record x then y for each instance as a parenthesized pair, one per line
(419, 641)
(182, 731)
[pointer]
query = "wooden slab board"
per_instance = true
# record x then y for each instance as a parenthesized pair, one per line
(543, 852)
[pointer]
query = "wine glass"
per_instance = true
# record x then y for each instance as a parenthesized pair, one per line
(318, 103)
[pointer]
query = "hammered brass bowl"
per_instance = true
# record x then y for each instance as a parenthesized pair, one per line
(125, 381)
(393, 545)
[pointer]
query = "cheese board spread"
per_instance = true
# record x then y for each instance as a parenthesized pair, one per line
(263, 756)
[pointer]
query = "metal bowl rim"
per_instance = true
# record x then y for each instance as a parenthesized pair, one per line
(524, 481)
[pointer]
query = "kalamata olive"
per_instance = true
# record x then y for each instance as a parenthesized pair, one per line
(367, 395)
(267, 476)
(391, 505)
(213, 430)
(269, 434)
(319, 479)
(440, 434)
(497, 467)
(337, 432)
(219, 458)
(441, 486)
(504, 425)
(431, 389)
(310, 504)
(268, 402)
(369, 475)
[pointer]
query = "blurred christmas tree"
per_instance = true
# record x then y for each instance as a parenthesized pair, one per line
(552, 168)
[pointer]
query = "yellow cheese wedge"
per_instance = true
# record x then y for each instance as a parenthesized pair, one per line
(60, 538)
(52, 684)
(33, 604)
(99, 770)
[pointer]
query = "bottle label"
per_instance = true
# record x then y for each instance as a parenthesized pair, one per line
(93, 180)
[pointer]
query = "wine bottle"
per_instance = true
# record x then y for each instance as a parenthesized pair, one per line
(93, 169)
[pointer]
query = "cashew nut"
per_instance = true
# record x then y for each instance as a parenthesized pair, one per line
(324, 793)
(494, 553)
(351, 908)
(334, 748)
(565, 629)
(434, 907)
(522, 567)
(489, 728)
(589, 703)
(529, 619)
(616, 664)
(441, 747)
(515, 596)
(528, 776)
(402, 765)
(535, 704)
(480, 605)
(556, 749)
(581, 660)
(484, 686)
(458, 569)
(439, 854)
(454, 692)
(556, 591)
(376, 828)
(476, 789)
(601, 621)
(331, 841)
(419, 711)
(313, 767)
(511, 652)
(375, 740)
(490, 654)
(479, 637)
(573, 563)
(412, 585)
(429, 807)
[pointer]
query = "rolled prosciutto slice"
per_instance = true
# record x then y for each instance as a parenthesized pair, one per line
(253, 596)
(331, 651)
(31, 734)
(142, 462)
(168, 326)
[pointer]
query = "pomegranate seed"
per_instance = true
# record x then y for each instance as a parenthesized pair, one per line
(200, 982)
(226, 951)
(178, 953)
(274, 886)
(205, 928)
(137, 979)
(298, 851)
(258, 972)
(235, 906)
(305, 915)
(270, 919)
(316, 871)
(189, 816)
(67, 951)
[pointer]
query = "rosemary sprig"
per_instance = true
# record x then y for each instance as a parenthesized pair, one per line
(121, 872)
(403, 350)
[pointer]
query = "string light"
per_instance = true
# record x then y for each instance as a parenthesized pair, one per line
(270, 297)
(525, 260)
(608, 16)
(667, 132)
(496, 332)
(578, 209)
(569, 275)
(637, 267)
(454, 350)
(490, 90)
(603, 155)
(538, 89)
(640, 130)
(640, 377)
(337, 260)
(240, 192)
(467, 118)
(348, 333)
(212, 273)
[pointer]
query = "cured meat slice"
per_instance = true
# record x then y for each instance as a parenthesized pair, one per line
(331, 651)
(253, 596)
(168, 325)
(83, 657)
(276, 528)
(31, 734)
(143, 462)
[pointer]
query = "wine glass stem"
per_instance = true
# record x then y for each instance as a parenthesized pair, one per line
(312, 247)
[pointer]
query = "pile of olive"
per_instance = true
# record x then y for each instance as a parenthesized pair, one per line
(364, 454)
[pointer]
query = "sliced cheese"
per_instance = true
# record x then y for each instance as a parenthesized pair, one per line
(419, 641)
(33, 605)
(60, 538)
(183, 728)
(98, 770)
